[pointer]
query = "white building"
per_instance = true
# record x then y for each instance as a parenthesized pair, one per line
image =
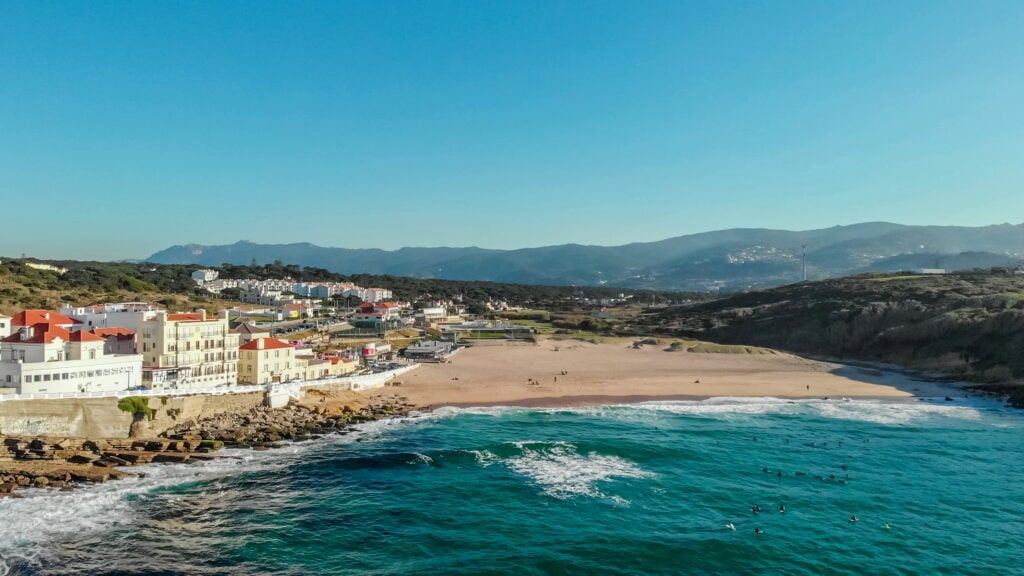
(371, 295)
(45, 357)
(203, 276)
(5, 326)
(121, 315)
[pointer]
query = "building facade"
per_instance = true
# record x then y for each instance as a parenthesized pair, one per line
(267, 360)
(49, 358)
(188, 351)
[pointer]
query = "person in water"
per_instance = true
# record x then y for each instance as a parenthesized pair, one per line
(758, 531)
(853, 518)
(782, 509)
(730, 526)
(755, 508)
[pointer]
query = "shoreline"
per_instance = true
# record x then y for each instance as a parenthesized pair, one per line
(574, 373)
(597, 400)
(488, 376)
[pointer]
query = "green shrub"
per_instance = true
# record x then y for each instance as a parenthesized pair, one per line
(136, 406)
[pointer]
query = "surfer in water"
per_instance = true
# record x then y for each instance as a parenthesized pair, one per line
(886, 527)
(755, 508)
(853, 518)
(782, 509)
(758, 531)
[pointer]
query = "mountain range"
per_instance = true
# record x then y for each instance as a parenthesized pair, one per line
(734, 259)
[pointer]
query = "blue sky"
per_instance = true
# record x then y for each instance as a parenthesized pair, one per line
(128, 127)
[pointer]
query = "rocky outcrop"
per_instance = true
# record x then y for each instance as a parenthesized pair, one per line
(265, 427)
(65, 462)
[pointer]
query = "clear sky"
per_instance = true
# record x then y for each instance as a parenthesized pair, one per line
(126, 127)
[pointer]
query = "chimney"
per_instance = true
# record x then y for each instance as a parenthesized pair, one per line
(259, 343)
(202, 312)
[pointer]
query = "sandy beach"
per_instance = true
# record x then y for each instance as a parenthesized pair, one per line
(572, 373)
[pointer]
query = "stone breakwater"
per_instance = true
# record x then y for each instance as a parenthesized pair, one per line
(64, 463)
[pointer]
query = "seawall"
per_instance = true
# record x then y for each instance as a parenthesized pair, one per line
(101, 418)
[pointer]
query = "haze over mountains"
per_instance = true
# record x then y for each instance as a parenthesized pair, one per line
(725, 259)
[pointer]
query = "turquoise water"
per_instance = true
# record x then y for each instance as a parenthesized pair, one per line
(643, 489)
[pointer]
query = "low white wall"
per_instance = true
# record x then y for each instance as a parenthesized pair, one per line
(357, 383)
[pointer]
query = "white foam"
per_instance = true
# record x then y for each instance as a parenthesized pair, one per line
(418, 458)
(484, 457)
(887, 412)
(42, 515)
(563, 473)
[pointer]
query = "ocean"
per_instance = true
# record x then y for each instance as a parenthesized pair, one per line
(936, 487)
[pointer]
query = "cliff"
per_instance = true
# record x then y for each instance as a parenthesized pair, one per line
(966, 325)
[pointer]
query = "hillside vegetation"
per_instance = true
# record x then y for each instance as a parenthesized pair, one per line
(966, 325)
(22, 286)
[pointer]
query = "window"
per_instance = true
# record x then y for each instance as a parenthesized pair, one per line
(46, 377)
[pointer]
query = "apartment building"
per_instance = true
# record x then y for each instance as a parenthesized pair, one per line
(188, 350)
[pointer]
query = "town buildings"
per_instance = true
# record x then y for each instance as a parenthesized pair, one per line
(268, 360)
(44, 354)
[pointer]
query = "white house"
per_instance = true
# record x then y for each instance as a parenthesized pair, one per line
(45, 357)
(203, 276)
(121, 315)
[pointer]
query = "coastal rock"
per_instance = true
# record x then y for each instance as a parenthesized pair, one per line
(172, 457)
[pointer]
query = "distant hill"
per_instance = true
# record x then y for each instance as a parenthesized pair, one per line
(968, 325)
(736, 259)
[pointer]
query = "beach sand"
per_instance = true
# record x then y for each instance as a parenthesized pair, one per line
(573, 373)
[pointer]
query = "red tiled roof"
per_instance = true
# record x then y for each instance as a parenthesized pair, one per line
(42, 333)
(117, 331)
(387, 305)
(83, 336)
(268, 344)
(186, 317)
(33, 317)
